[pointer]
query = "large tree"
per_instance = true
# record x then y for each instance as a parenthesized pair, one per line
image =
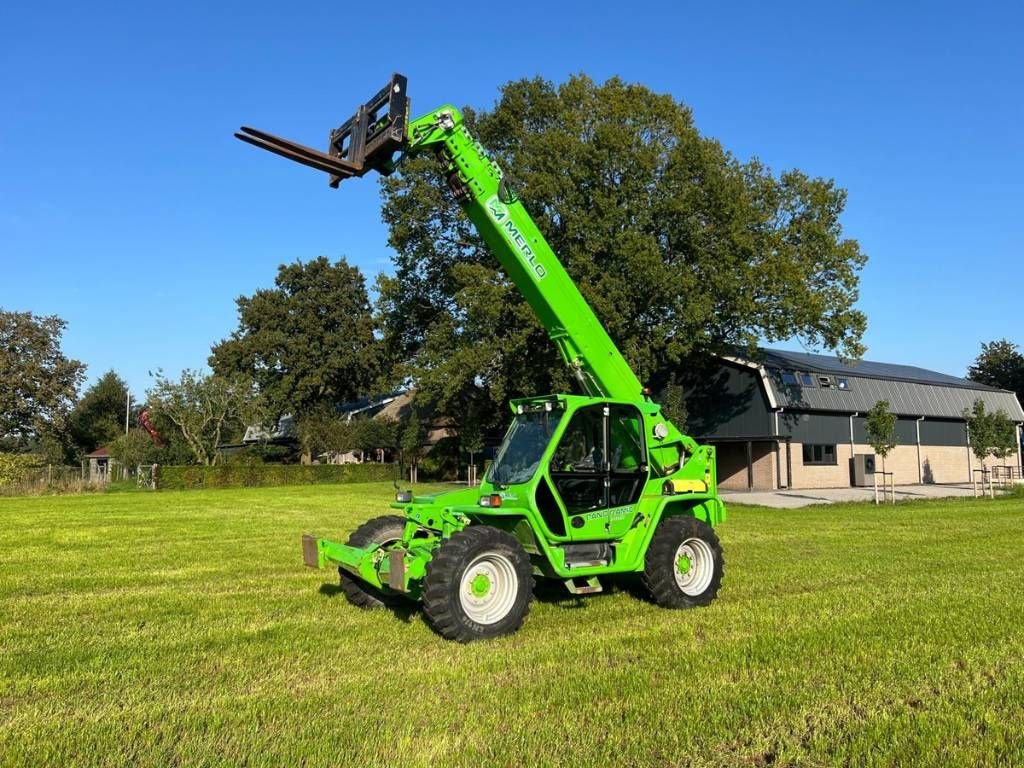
(38, 383)
(98, 418)
(1000, 364)
(205, 409)
(680, 247)
(308, 343)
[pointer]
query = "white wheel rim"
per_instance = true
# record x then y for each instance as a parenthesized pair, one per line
(493, 605)
(696, 579)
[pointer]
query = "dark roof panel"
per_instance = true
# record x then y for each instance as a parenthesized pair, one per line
(910, 391)
(806, 361)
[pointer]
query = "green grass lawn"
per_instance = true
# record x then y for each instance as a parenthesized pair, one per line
(180, 628)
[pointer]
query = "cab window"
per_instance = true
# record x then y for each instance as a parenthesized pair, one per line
(582, 446)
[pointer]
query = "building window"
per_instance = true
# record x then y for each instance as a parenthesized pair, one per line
(789, 379)
(819, 454)
(842, 383)
(806, 380)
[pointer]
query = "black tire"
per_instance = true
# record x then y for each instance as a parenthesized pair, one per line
(663, 579)
(491, 550)
(379, 530)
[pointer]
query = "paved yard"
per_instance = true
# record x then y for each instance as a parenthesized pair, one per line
(797, 497)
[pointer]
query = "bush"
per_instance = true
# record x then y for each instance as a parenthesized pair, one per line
(1015, 491)
(19, 467)
(442, 463)
(260, 454)
(28, 474)
(258, 475)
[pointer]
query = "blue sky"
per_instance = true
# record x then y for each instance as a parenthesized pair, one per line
(127, 208)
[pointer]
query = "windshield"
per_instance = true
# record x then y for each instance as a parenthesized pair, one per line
(523, 447)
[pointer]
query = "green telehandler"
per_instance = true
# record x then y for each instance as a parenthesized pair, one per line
(583, 486)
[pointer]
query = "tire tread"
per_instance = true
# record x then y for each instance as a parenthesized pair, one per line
(440, 605)
(659, 575)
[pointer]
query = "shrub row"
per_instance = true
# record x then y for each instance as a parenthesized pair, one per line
(255, 475)
(19, 467)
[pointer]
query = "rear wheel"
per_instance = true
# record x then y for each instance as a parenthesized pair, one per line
(684, 565)
(478, 585)
(383, 531)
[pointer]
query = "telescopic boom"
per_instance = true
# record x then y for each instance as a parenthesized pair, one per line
(381, 128)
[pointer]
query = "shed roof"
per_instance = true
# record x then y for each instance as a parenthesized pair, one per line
(103, 452)
(909, 390)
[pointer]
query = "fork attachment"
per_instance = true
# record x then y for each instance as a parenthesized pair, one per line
(365, 142)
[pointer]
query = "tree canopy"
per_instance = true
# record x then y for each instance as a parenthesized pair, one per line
(38, 383)
(678, 246)
(98, 417)
(323, 430)
(134, 447)
(308, 342)
(880, 425)
(1000, 364)
(991, 432)
(205, 409)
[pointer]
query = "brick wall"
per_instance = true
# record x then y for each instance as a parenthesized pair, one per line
(939, 464)
(732, 466)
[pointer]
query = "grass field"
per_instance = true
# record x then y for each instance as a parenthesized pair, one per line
(180, 628)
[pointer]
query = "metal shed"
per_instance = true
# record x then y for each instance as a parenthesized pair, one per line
(784, 419)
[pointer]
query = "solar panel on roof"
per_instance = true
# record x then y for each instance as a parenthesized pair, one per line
(809, 361)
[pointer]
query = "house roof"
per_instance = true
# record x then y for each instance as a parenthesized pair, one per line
(396, 406)
(103, 452)
(909, 390)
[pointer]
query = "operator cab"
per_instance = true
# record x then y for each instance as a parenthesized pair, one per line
(596, 466)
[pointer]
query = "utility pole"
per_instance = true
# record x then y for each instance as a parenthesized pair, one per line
(127, 410)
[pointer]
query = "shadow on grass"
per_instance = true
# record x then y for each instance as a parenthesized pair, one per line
(402, 608)
(554, 592)
(546, 591)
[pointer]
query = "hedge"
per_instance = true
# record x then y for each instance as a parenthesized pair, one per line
(19, 467)
(256, 475)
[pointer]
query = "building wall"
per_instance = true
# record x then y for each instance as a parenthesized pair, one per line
(944, 464)
(939, 464)
(764, 467)
(730, 463)
(726, 401)
(827, 476)
(732, 466)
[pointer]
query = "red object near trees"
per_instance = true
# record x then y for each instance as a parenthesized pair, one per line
(147, 425)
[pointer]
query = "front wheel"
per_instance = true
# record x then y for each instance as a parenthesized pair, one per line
(478, 585)
(684, 565)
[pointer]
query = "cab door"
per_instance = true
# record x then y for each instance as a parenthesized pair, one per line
(628, 469)
(599, 469)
